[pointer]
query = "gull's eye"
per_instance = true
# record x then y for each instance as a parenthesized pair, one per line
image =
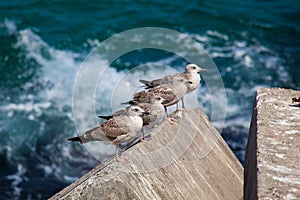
(136, 109)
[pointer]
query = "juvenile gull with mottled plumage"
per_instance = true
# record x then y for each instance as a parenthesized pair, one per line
(191, 74)
(172, 92)
(117, 130)
(155, 108)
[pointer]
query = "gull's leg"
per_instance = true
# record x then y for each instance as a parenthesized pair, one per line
(118, 157)
(142, 138)
(169, 119)
(183, 106)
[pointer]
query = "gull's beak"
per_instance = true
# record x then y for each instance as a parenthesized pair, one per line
(146, 113)
(202, 70)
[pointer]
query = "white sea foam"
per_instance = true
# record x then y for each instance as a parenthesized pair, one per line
(10, 26)
(17, 179)
(58, 66)
(34, 109)
(246, 54)
(217, 34)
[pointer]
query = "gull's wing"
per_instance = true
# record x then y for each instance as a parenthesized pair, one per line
(164, 91)
(160, 81)
(116, 126)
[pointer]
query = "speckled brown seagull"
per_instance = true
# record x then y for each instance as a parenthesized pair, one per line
(156, 113)
(117, 130)
(156, 110)
(172, 92)
(191, 74)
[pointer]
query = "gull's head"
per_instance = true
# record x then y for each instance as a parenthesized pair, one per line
(136, 111)
(193, 68)
(157, 99)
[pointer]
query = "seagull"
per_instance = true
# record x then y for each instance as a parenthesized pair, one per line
(116, 130)
(156, 110)
(172, 92)
(191, 74)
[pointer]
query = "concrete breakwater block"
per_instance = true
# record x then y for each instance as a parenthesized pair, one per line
(187, 160)
(272, 164)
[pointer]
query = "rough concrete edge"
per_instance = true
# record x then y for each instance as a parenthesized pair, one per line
(250, 168)
(65, 191)
(81, 180)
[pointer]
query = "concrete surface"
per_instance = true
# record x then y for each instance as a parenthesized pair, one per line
(272, 164)
(188, 160)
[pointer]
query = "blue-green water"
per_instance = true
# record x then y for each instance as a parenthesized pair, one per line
(43, 43)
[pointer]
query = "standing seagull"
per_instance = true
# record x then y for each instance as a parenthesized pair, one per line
(172, 92)
(155, 108)
(117, 130)
(191, 74)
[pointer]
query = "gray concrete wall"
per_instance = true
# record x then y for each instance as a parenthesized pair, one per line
(188, 160)
(272, 164)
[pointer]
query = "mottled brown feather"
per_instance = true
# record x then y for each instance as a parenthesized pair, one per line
(115, 127)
